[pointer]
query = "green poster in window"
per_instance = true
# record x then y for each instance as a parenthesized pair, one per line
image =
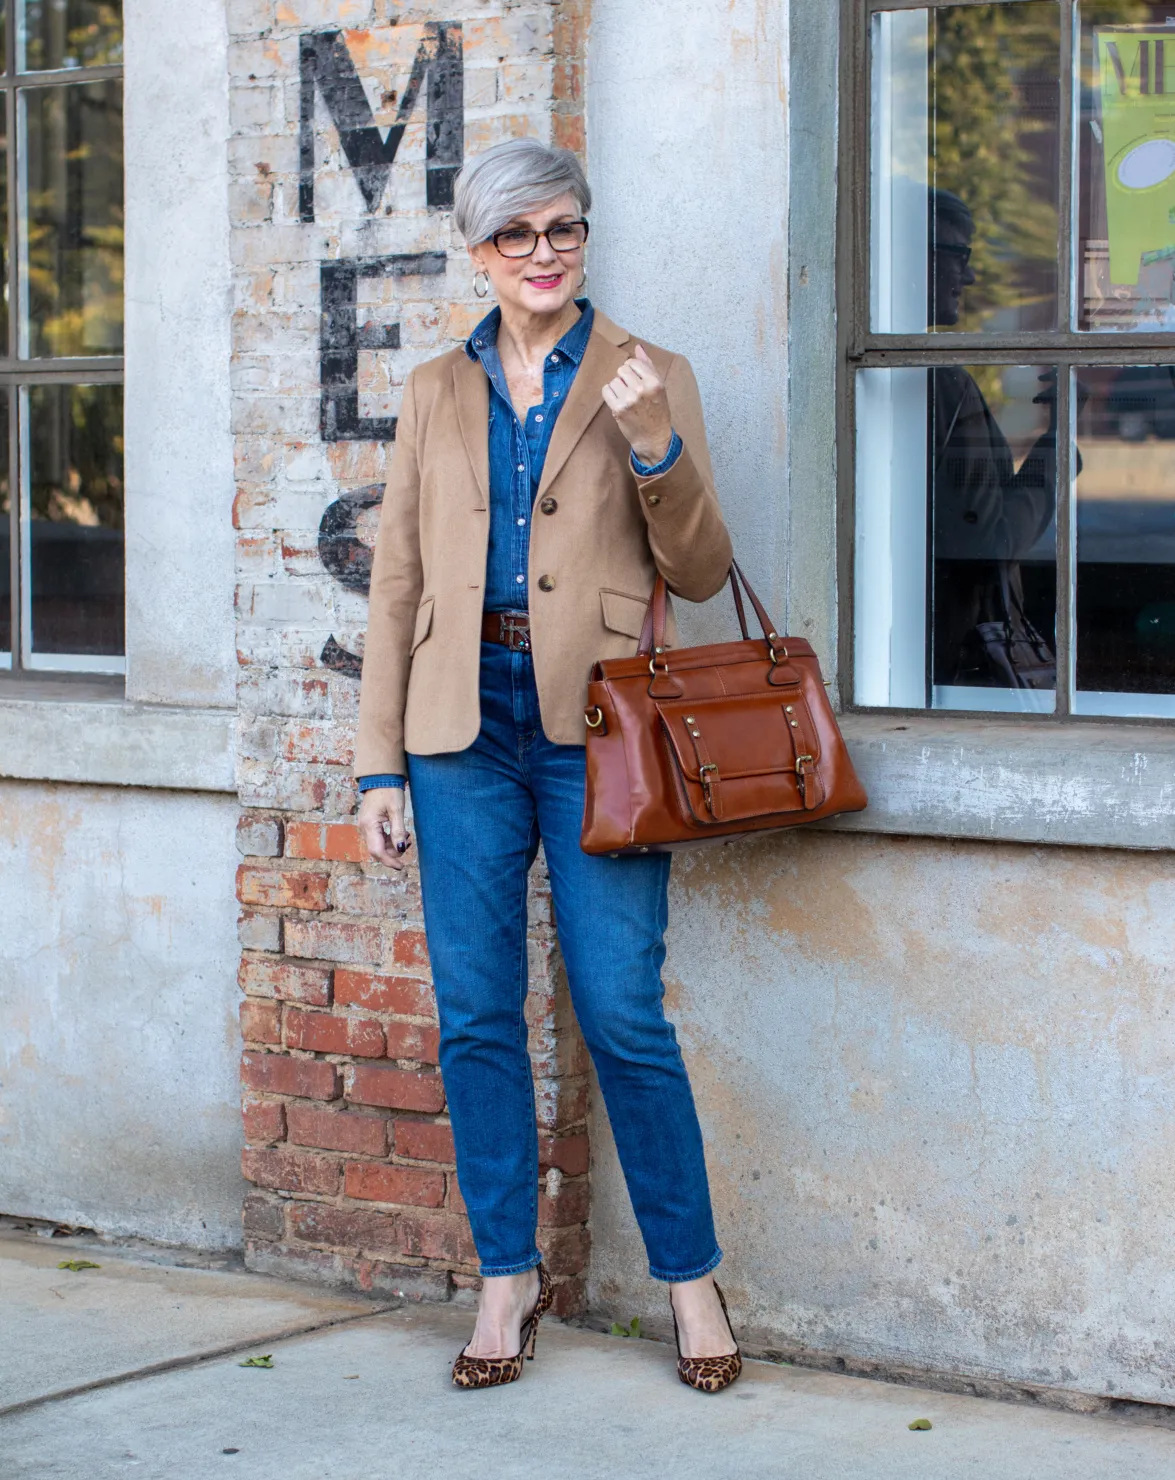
(1136, 91)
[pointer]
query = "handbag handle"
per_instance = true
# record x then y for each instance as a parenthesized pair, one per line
(653, 630)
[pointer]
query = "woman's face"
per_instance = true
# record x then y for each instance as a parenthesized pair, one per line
(546, 281)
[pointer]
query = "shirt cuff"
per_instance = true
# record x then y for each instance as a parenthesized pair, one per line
(643, 471)
(371, 783)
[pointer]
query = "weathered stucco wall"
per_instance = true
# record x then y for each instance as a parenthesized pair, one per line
(118, 1011)
(937, 1083)
(687, 155)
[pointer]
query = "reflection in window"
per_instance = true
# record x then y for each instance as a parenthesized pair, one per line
(72, 227)
(76, 518)
(5, 539)
(956, 539)
(69, 33)
(1126, 167)
(1126, 541)
(965, 150)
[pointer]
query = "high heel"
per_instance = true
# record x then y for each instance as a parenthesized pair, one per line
(708, 1374)
(483, 1372)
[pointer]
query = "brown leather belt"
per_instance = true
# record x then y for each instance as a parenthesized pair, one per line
(511, 629)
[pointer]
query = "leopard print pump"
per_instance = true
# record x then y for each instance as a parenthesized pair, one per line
(708, 1374)
(484, 1372)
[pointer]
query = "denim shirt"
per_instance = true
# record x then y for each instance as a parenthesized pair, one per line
(518, 454)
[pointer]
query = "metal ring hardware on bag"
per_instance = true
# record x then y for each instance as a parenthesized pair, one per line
(594, 724)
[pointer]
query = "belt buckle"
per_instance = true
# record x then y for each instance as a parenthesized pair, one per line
(517, 639)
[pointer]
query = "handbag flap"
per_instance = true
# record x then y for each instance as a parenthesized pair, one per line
(744, 755)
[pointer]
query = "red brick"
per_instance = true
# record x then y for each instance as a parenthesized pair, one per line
(400, 994)
(570, 1299)
(265, 1120)
(334, 940)
(278, 1074)
(410, 949)
(344, 1228)
(424, 1140)
(317, 745)
(291, 1171)
(293, 889)
(440, 1236)
(335, 842)
(366, 1135)
(455, 1202)
(571, 1154)
(571, 1204)
(326, 1034)
(411, 1185)
(398, 1089)
(263, 1216)
(566, 1250)
(308, 984)
(261, 1022)
(408, 1041)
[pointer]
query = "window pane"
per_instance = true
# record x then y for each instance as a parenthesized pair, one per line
(5, 538)
(76, 518)
(69, 33)
(965, 168)
(1126, 541)
(72, 226)
(955, 538)
(1126, 167)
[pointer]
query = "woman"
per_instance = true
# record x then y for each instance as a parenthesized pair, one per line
(481, 634)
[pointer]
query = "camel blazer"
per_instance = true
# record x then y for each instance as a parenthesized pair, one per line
(600, 533)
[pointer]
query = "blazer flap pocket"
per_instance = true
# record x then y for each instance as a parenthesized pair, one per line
(623, 613)
(423, 623)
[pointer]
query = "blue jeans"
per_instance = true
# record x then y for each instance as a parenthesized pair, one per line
(480, 815)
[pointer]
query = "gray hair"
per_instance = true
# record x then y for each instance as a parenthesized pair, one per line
(510, 179)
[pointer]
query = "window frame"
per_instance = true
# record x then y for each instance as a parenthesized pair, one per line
(17, 372)
(858, 348)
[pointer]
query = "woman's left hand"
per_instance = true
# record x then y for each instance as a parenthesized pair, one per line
(637, 399)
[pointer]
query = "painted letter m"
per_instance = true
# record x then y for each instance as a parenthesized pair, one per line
(438, 67)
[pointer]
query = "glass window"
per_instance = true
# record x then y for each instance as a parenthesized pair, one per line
(75, 524)
(956, 538)
(61, 339)
(1011, 359)
(71, 220)
(965, 149)
(1126, 541)
(58, 34)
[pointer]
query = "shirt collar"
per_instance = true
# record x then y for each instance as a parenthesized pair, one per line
(573, 345)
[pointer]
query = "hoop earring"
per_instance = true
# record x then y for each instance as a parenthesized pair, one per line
(481, 289)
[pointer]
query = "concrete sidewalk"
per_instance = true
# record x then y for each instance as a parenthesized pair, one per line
(357, 1390)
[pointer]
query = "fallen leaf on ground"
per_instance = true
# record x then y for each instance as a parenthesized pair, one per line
(921, 1423)
(266, 1361)
(632, 1329)
(78, 1264)
(351, 1377)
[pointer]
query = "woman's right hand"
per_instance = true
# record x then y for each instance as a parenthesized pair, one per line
(381, 825)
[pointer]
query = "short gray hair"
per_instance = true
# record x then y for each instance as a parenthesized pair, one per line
(512, 178)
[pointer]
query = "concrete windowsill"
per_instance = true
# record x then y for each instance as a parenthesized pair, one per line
(84, 730)
(1091, 785)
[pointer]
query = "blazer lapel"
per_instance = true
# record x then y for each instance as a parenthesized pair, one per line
(602, 358)
(472, 392)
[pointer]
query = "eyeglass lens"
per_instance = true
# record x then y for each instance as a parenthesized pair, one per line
(565, 237)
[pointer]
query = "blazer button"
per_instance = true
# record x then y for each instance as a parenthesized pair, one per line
(653, 499)
(549, 505)
(546, 583)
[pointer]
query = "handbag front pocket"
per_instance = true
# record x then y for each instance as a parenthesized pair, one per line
(743, 756)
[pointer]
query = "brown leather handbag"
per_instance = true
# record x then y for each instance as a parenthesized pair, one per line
(705, 744)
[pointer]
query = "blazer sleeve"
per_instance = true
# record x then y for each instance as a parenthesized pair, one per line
(687, 534)
(396, 584)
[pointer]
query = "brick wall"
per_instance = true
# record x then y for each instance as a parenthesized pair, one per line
(347, 274)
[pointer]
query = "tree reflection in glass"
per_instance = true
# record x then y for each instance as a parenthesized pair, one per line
(69, 33)
(72, 221)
